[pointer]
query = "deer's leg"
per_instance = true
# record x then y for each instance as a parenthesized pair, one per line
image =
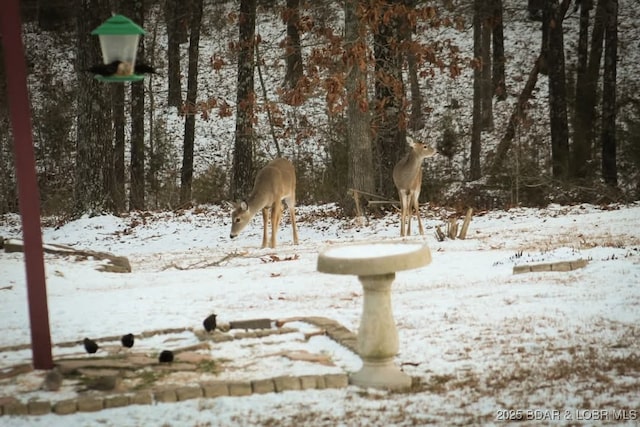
(276, 214)
(409, 211)
(291, 204)
(265, 223)
(403, 212)
(416, 207)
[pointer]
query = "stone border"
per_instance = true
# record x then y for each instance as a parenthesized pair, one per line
(335, 331)
(171, 394)
(550, 266)
(212, 389)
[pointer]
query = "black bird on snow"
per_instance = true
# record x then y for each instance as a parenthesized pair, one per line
(166, 356)
(209, 323)
(90, 345)
(127, 340)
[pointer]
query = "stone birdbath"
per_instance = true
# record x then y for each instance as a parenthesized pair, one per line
(376, 265)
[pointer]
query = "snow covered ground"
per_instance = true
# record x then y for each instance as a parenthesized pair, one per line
(479, 340)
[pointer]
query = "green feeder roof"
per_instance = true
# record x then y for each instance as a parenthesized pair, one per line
(118, 25)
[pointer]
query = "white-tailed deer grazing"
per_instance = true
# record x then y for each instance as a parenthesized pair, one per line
(407, 176)
(274, 182)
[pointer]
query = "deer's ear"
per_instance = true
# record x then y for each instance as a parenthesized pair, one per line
(243, 205)
(410, 141)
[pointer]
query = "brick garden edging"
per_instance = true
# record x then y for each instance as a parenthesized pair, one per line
(211, 389)
(171, 394)
(550, 266)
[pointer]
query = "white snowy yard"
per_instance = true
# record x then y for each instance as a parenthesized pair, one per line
(477, 339)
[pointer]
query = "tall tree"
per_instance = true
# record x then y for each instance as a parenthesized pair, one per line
(476, 125)
(486, 79)
(186, 176)
(553, 16)
(581, 151)
(293, 50)
(499, 82)
(241, 180)
(609, 168)
(136, 194)
(407, 28)
(118, 178)
(588, 98)
(93, 134)
(54, 14)
(173, 12)
(118, 196)
(360, 155)
(389, 93)
(8, 195)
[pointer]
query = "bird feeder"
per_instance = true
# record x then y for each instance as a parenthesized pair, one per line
(119, 37)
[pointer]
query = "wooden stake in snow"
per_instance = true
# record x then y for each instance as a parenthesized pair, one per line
(465, 224)
(452, 228)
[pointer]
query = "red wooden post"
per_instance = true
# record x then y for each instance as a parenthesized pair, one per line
(28, 194)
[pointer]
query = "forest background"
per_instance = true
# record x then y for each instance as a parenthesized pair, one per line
(527, 102)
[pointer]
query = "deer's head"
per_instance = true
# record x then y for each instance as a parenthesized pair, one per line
(240, 217)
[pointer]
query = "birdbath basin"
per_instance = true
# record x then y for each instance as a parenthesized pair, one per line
(376, 265)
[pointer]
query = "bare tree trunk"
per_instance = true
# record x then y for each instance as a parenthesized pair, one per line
(8, 184)
(173, 20)
(519, 111)
(609, 168)
(54, 15)
(360, 155)
(390, 100)
(544, 49)
(581, 146)
(293, 51)
(94, 116)
(557, 92)
(152, 163)
(516, 118)
(118, 190)
(186, 176)
(136, 194)
(241, 181)
(589, 99)
(486, 76)
(118, 178)
(499, 82)
(476, 127)
(266, 101)
(416, 121)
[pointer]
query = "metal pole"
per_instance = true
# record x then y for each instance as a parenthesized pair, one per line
(28, 194)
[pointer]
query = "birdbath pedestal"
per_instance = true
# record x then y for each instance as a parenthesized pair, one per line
(376, 265)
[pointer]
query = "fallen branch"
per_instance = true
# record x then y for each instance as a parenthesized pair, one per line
(205, 264)
(117, 264)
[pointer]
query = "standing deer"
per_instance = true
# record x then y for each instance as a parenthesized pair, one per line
(407, 176)
(274, 182)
